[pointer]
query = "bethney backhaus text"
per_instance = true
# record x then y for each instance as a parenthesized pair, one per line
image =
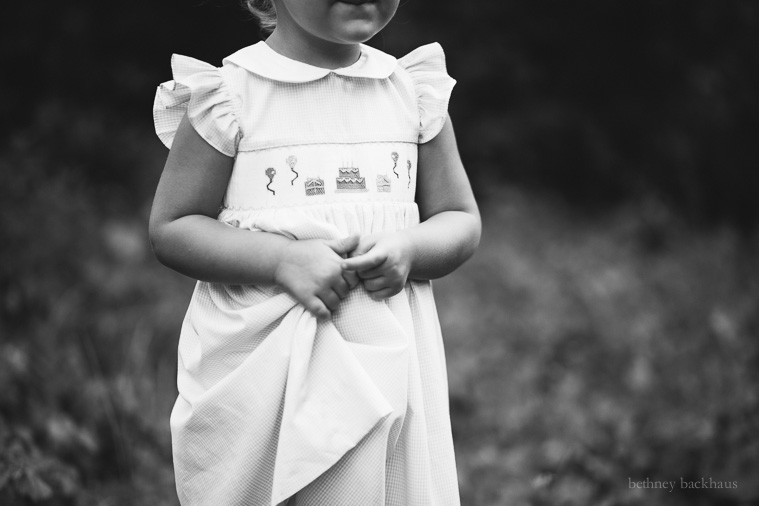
(670, 485)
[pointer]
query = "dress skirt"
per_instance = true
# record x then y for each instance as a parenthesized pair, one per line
(276, 407)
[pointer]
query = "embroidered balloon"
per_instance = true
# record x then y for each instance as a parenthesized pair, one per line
(291, 161)
(270, 172)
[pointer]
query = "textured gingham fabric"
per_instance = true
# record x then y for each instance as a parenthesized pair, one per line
(275, 407)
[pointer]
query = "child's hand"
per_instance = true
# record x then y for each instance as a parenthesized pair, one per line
(383, 262)
(311, 271)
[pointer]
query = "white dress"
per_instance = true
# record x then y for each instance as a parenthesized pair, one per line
(273, 405)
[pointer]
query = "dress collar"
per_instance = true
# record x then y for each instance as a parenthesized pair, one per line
(264, 61)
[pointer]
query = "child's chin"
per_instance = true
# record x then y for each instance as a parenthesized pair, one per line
(358, 31)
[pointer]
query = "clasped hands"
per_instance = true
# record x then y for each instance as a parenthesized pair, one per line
(319, 273)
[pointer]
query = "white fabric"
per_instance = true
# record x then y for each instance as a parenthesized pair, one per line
(274, 406)
(199, 91)
(264, 61)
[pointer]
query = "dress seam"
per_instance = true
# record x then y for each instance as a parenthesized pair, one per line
(315, 204)
(317, 143)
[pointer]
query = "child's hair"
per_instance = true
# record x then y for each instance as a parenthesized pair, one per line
(265, 12)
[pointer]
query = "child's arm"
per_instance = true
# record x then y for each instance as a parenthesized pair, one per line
(187, 237)
(446, 238)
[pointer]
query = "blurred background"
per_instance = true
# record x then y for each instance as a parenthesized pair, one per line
(604, 333)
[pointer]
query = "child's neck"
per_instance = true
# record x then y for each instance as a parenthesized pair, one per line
(312, 50)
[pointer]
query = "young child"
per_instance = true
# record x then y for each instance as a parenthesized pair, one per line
(314, 187)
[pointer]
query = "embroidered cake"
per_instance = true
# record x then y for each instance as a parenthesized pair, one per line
(314, 186)
(349, 180)
(383, 183)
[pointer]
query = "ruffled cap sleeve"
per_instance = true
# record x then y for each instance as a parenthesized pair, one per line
(198, 90)
(433, 86)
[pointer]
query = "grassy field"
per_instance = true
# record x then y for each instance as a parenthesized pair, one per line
(588, 351)
(585, 351)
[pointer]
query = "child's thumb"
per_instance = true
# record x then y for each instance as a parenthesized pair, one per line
(345, 245)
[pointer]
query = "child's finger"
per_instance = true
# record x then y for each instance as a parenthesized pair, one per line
(365, 262)
(365, 244)
(372, 273)
(317, 308)
(383, 294)
(330, 298)
(351, 277)
(345, 245)
(341, 288)
(375, 284)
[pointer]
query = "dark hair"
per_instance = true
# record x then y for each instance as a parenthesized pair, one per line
(264, 12)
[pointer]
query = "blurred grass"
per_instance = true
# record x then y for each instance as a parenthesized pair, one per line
(584, 350)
